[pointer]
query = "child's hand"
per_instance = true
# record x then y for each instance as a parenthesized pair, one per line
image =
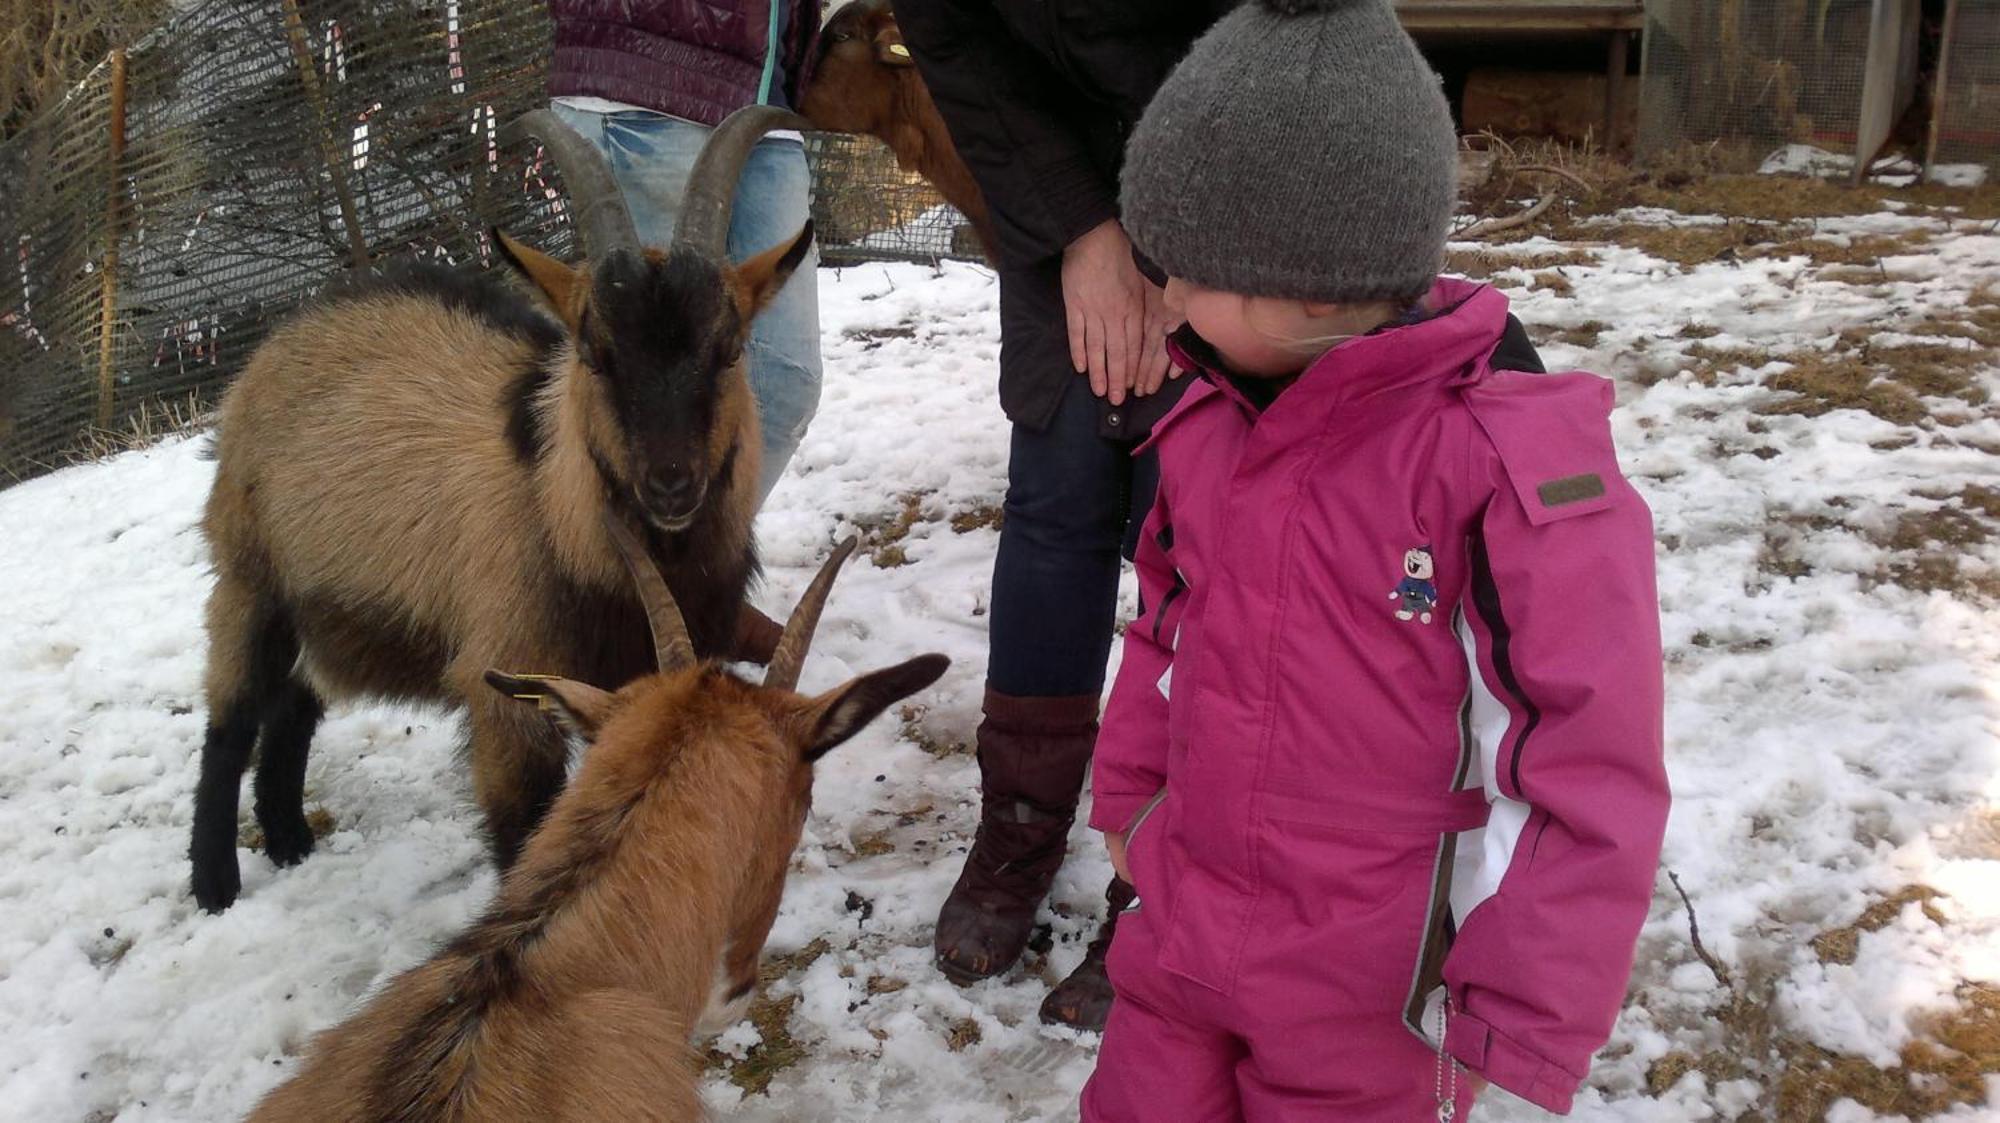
(1155, 367)
(1114, 841)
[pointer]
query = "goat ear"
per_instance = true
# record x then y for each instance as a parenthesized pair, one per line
(760, 278)
(840, 713)
(557, 282)
(889, 48)
(578, 709)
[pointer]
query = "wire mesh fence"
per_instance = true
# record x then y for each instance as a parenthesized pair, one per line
(197, 187)
(1749, 77)
(1968, 108)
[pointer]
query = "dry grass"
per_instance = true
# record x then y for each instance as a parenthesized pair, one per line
(882, 535)
(250, 836)
(874, 844)
(776, 1049)
(962, 1035)
(918, 732)
(985, 516)
(1840, 945)
(46, 48)
(1953, 1053)
(1481, 263)
(1697, 180)
(152, 423)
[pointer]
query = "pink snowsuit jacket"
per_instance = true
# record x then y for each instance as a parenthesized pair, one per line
(1398, 676)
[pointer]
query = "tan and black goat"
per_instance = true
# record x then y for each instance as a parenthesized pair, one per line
(865, 81)
(637, 912)
(413, 478)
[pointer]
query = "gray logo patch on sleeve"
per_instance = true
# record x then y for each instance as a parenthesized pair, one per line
(1570, 489)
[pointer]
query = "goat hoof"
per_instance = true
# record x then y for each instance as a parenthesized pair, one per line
(287, 843)
(216, 884)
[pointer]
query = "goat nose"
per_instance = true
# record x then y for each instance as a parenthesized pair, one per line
(670, 494)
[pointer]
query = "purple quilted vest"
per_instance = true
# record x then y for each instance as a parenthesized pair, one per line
(698, 59)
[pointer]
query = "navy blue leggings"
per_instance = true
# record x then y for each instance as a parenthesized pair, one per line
(1075, 503)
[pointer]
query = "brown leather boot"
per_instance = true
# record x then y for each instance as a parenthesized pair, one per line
(1033, 753)
(1083, 1000)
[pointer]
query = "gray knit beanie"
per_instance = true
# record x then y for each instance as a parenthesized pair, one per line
(1303, 149)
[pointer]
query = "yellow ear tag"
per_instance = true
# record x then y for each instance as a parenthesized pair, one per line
(899, 50)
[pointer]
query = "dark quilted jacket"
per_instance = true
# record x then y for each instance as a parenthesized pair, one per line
(698, 59)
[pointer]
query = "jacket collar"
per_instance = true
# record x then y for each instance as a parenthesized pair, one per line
(1446, 348)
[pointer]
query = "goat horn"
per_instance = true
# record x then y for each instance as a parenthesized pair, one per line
(790, 658)
(600, 216)
(671, 645)
(703, 225)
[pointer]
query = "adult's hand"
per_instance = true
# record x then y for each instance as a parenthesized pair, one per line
(1104, 298)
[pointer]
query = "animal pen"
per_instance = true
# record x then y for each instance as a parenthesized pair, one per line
(1851, 77)
(200, 184)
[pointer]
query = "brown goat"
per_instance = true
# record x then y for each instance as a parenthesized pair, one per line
(411, 488)
(637, 913)
(865, 81)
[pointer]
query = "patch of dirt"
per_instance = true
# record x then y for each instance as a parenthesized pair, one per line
(1553, 281)
(1479, 264)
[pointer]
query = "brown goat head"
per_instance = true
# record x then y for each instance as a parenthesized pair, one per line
(637, 912)
(866, 81)
(694, 718)
(664, 331)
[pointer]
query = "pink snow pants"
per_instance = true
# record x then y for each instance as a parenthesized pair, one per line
(1303, 1019)
(1175, 1050)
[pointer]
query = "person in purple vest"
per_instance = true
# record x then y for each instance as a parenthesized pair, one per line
(645, 81)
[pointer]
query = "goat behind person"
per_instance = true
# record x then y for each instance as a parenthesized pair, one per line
(411, 480)
(864, 81)
(637, 913)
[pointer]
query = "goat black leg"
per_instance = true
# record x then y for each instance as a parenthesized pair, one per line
(289, 722)
(251, 650)
(517, 771)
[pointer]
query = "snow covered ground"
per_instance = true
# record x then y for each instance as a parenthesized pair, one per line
(1828, 586)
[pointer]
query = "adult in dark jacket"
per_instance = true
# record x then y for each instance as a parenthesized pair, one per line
(645, 80)
(1039, 96)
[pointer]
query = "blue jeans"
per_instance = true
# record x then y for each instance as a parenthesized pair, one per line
(1075, 503)
(651, 156)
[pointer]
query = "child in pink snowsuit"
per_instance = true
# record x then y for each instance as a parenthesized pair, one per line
(1383, 759)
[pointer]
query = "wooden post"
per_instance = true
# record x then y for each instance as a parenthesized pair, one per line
(1938, 86)
(107, 326)
(1614, 88)
(350, 217)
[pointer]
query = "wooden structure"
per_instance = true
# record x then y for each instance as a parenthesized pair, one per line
(1618, 21)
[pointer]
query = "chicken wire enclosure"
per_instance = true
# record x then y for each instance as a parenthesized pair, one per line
(1751, 75)
(866, 208)
(161, 218)
(1968, 95)
(157, 221)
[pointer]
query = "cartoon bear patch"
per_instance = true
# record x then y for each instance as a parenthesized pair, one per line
(1417, 592)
